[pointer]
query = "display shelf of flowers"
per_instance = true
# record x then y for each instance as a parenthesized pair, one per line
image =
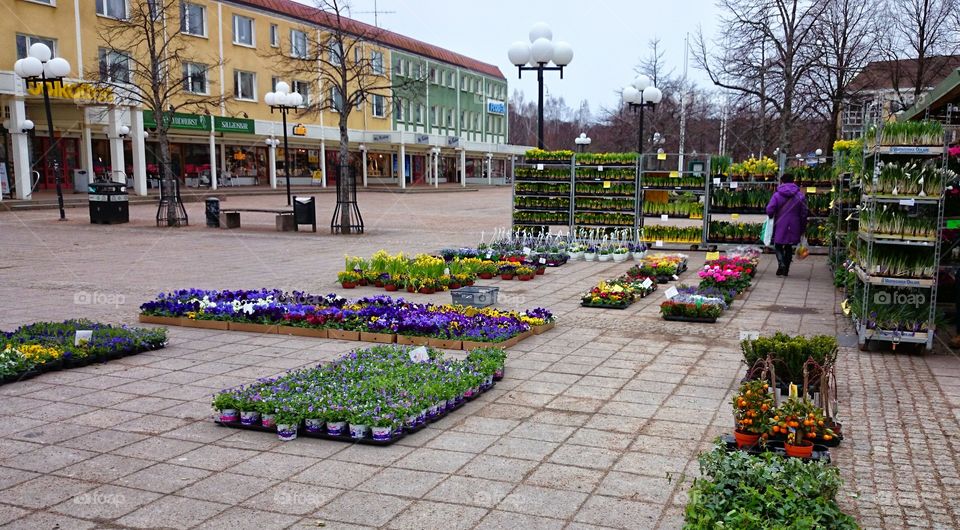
(374, 319)
(663, 234)
(900, 221)
(373, 396)
(672, 204)
(542, 192)
(734, 232)
(721, 280)
(40, 347)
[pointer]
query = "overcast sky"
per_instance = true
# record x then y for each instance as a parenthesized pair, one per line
(609, 37)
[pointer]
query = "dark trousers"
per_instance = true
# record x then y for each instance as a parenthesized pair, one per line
(784, 256)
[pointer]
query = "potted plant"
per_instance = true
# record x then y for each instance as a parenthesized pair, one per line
(590, 254)
(802, 422)
(524, 273)
(507, 270)
(348, 279)
(288, 422)
(620, 254)
(605, 254)
(753, 408)
(487, 270)
(227, 403)
(391, 284)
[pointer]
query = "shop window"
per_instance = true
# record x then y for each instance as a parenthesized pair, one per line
(243, 30)
(298, 44)
(376, 62)
(378, 106)
(112, 8)
(274, 36)
(114, 66)
(193, 19)
(245, 85)
(25, 41)
(195, 78)
(302, 88)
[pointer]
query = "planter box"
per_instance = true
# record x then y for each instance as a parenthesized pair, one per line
(702, 320)
(509, 343)
(164, 321)
(252, 327)
(221, 325)
(537, 330)
(382, 338)
(410, 340)
(525, 334)
(340, 334)
(445, 344)
(317, 333)
(472, 345)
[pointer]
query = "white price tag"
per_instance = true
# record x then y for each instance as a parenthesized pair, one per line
(675, 277)
(489, 255)
(716, 182)
(599, 168)
(527, 250)
(419, 354)
(907, 202)
(658, 243)
(664, 217)
(542, 261)
(83, 336)
(446, 272)
(749, 335)
(734, 185)
(646, 283)
(539, 167)
(671, 292)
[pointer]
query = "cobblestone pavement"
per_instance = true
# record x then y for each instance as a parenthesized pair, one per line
(597, 423)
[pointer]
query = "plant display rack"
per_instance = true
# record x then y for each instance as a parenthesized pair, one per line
(655, 175)
(914, 206)
(543, 193)
(605, 196)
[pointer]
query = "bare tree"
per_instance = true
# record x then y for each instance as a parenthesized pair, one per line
(346, 58)
(921, 30)
(845, 42)
(147, 65)
(760, 53)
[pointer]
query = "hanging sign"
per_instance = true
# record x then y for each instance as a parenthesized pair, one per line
(299, 130)
(661, 156)
(233, 125)
(178, 120)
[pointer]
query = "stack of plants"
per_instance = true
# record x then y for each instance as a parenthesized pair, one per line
(611, 189)
(893, 310)
(909, 133)
(720, 165)
(761, 169)
(607, 159)
(541, 203)
(686, 307)
(606, 174)
(819, 204)
(376, 319)
(894, 223)
(739, 490)
(683, 205)
(374, 396)
(603, 219)
(422, 273)
(913, 178)
(543, 189)
(540, 155)
(820, 175)
(897, 262)
(740, 200)
(611, 204)
(818, 233)
(661, 267)
(673, 183)
(44, 346)
(727, 232)
(789, 354)
(672, 234)
(541, 218)
(547, 174)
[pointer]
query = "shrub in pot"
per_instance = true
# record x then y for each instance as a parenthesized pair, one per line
(753, 408)
(802, 422)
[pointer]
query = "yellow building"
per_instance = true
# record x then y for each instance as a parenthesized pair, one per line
(232, 49)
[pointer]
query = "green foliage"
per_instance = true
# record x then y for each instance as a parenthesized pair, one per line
(789, 353)
(746, 492)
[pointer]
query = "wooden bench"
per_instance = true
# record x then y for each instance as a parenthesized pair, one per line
(286, 221)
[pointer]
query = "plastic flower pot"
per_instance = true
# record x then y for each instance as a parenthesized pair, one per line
(358, 432)
(349, 285)
(506, 276)
(525, 278)
(390, 287)
(313, 425)
(745, 439)
(286, 432)
(485, 276)
(410, 422)
(603, 257)
(620, 258)
(229, 415)
(452, 403)
(267, 420)
(381, 434)
(422, 417)
(249, 417)
(541, 271)
(336, 428)
(799, 451)
(590, 256)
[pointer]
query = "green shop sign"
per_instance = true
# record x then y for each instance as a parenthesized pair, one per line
(200, 122)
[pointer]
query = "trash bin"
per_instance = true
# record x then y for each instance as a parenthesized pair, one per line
(80, 181)
(109, 203)
(305, 211)
(213, 212)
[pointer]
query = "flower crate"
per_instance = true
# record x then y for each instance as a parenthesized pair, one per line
(221, 325)
(538, 330)
(298, 331)
(253, 327)
(159, 319)
(412, 340)
(342, 334)
(381, 338)
(445, 344)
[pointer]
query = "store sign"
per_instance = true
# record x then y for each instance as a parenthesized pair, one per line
(381, 138)
(233, 125)
(423, 138)
(193, 122)
(453, 141)
(74, 91)
(496, 107)
(299, 130)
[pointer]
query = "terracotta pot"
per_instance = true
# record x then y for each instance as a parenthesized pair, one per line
(340, 334)
(349, 285)
(454, 286)
(470, 283)
(362, 282)
(378, 284)
(409, 288)
(485, 276)
(541, 270)
(525, 278)
(390, 287)
(426, 290)
(506, 276)
(745, 439)
(382, 338)
(799, 451)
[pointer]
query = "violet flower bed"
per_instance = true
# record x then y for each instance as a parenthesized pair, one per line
(377, 314)
(373, 395)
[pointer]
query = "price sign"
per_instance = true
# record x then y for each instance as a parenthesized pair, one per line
(606, 184)
(599, 168)
(811, 189)
(658, 243)
(446, 272)
(675, 277)
(82, 337)
(674, 174)
(716, 181)
(664, 217)
(489, 255)
(646, 283)
(542, 261)
(419, 355)
(671, 292)
(734, 185)
(953, 224)
(527, 251)
(749, 335)
(713, 256)
(539, 167)
(661, 156)
(907, 202)
(734, 216)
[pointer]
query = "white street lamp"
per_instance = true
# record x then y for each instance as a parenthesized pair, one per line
(638, 95)
(582, 141)
(538, 54)
(282, 100)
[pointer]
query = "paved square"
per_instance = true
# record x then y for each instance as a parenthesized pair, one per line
(597, 423)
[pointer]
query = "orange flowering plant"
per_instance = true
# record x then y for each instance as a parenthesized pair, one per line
(801, 422)
(753, 408)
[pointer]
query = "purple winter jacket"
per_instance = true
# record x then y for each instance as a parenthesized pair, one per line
(788, 207)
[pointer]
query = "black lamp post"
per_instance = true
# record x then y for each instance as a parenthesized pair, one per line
(284, 101)
(39, 66)
(640, 95)
(539, 53)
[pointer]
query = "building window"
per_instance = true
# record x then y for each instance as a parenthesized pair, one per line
(463, 83)
(25, 41)
(245, 85)
(398, 109)
(463, 119)
(336, 99)
(398, 69)
(44, 2)
(419, 114)
(112, 8)
(114, 66)
(433, 76)
(336, 53)
(193, 19)
(195, 78)
(303, 88)
(378, 104)
(274, 36)
(243, 30)
(417, 70)
(449, 117)
(298, 44)
(376, 62)
(433, 115)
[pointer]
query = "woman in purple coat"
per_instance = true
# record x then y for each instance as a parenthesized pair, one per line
(788, 209)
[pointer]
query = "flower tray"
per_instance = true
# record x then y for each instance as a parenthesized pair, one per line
(701, 320)
(221, 325)
(301, 432)
(252, 327)
(537, 330)
(298, 331)
(381, 338)
(603, 306)
(820, 453)
(162, 320)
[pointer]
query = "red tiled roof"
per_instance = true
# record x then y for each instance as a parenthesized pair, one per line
(402, 42)
(880, 75)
